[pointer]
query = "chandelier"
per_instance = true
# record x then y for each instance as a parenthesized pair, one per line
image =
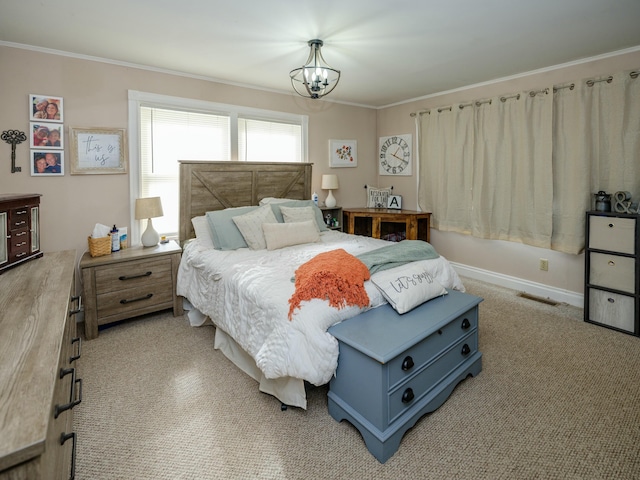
(316, 78)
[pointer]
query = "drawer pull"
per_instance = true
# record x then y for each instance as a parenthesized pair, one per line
(63, 438)
(21, 212)
(75, 311)
(611, 225)
(17, 224)
(407, 395)
(465, 324)
(465, 349)
(611, 300)
(611, 263)
(131, 277)
(407, 363)
(21, 244)
(21, 254)
(20, 234)
(72, 402)
(124, 301)
(77, 340)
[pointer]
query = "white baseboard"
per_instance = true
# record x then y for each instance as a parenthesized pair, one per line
(526, 286)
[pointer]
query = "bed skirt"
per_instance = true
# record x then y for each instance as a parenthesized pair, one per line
(290, 391)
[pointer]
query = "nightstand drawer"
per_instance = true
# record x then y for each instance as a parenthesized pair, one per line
(112, 278)
(413, 390)
(612, 271)
(612, 233)
(416, 357)
(135, 298)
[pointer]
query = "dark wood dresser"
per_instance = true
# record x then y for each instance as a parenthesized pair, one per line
(19, 229)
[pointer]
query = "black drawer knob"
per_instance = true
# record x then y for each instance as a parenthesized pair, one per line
(407, 363)
(465, 349)
(466, 324)
(407, 395)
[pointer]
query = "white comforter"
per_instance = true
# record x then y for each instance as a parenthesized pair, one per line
(246, 294)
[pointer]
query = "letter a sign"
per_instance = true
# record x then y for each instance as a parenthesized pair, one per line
(395, 201)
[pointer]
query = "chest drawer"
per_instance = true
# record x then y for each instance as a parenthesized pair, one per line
(129, 275)
(612, 233)
(416, 357)
(612, 271)
(414, 389)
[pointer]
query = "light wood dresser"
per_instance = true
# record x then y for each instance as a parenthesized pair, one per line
(393, 369)
(612, 271)
(38, 385)
(132, 282)
(387, 223)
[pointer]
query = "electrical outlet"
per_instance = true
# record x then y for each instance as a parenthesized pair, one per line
(544, 264)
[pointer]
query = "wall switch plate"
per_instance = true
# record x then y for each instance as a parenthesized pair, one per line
(544, 264)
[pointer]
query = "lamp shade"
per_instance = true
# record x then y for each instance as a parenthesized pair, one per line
(150, 207)
(330, 182)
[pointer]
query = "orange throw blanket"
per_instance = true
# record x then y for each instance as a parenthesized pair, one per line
(336, 276)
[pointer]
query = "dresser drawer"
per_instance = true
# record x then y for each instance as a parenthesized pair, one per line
(410, 392)
(416, 357)
(612, 271)
(19, 244)
(612, 233)
(19, 218)
(125, 276)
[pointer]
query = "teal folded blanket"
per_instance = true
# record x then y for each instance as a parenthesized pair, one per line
(397, 254)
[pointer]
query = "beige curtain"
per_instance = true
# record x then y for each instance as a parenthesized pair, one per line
(446, 167)
(486, 168)
(596, 138)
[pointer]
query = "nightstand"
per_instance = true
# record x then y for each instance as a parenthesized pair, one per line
(335, 212)
(132, 282)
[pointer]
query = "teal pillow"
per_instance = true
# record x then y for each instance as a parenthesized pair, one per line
(224, 232)
(299, 203)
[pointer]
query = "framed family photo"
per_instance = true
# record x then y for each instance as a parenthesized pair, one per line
(343, 153)
(46, 135)
(45, 107)
(46, 163)
(98, 150)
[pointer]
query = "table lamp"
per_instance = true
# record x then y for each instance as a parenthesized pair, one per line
(149, 208)
(330, 182)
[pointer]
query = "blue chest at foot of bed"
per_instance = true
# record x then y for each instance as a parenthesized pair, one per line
(393, 369)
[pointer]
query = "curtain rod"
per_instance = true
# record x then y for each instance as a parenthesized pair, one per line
(634, 74)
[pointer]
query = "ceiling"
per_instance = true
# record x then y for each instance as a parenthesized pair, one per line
(388, 51)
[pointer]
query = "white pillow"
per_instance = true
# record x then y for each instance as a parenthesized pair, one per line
(279, 235)
(407, 286)
(267, 200)
(299, 214)
(202, 230)
(250, 226)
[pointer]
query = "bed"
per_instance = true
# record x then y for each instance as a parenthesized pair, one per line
(245, 292)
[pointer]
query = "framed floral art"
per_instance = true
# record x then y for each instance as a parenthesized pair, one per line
(343, 153)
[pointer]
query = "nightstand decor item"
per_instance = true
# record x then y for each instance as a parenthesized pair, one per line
(330, 182)
(149, 208)
(315, 78)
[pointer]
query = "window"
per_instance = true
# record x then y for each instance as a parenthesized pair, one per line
(165, 129)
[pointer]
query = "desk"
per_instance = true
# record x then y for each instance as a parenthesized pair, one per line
(383, 222)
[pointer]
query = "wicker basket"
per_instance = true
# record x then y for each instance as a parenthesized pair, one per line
(99, 246)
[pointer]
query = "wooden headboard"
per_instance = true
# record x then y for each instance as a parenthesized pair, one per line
(207, 186)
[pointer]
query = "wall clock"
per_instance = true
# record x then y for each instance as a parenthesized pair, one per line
(395, 155)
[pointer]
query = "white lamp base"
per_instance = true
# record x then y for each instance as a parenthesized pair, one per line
(150, 237)
(330, 201)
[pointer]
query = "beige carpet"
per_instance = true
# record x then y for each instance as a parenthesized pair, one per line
(557, 399)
